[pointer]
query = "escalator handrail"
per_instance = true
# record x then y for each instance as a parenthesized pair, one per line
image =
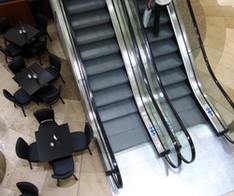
(145, 79)
(156, 72)
(115, 173)
(205, 56)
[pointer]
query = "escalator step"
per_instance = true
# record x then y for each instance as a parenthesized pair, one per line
(184, 103)
(128, 139)
(123, 124)
(165, 32)
(88, 19)
(98, 49)
(108, 79)
(94, 34)
(168, 61)
(172, 76)
(103, 64)
(177, 90)
(116, 110)
(163, 47)
(74, 6)
(112, 95)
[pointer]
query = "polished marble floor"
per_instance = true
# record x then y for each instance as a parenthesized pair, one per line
(211, 173)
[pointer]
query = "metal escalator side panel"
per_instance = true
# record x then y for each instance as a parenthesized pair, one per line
(205, 104)
(129, 63)
(156, 85)
(160, 124)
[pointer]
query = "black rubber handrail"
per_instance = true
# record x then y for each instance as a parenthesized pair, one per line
(205, 56)
(115, 172)
(156, 73)
(146, 82)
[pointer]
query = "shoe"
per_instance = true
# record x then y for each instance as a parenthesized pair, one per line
(155, 33)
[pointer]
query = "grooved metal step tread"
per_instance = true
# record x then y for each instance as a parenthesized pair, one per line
(122, 124)
(88, 19)
(163, 47)
(94, 34)
(112, 95)
(98, 49)
(172, 76)
(107, 79)
(74, 6)
(168, 61)
(177, 90)
(116, 110)
(103, 64)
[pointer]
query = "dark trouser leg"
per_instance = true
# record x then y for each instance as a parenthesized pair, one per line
(157, 13)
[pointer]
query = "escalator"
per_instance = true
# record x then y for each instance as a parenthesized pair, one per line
(171, 68)
(104, 66)
(112, 97)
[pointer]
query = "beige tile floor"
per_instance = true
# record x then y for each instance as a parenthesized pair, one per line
(219, 44)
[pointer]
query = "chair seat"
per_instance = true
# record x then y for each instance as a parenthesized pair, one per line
(14, 50)
(41, 33)
(22, 97)
(63, 167)
(63, 176)
(79, 141)
(32, 152)
(53, 71)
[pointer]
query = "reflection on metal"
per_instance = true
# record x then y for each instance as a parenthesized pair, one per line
(190, 70)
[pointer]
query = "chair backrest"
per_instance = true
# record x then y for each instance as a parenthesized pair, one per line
(21, 148)
(55, 62)
(43, 115)
(27, 188)
(9, 96)
(41, 46)
(17, 65)
(54, 96)
(4, 24)
(41, 21)
(88, 130)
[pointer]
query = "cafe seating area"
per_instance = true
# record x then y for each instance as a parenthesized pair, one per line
(44, 175)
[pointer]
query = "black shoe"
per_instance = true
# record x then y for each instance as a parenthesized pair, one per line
(155, 33)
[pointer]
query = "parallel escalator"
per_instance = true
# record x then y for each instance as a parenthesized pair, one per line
(171, 67)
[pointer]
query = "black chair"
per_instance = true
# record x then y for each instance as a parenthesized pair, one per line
(27, 189)
(38, 48)
(50, 95)
(81, 140)
(63, 168)
(4, 24)
(41, 25)
(45, 118)
(20, 98)
(27, 152)
(17, 65)
(11, 51)
(55, 67)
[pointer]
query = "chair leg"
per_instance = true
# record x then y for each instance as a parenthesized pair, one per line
(49, 37)
(58, 184)
(39, 59)
(75, 176)
(23, 110)
(30, 164)
(62, 100)
(62, 79)
(90, 151)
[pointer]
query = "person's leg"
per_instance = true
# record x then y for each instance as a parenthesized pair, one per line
(157, 13)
